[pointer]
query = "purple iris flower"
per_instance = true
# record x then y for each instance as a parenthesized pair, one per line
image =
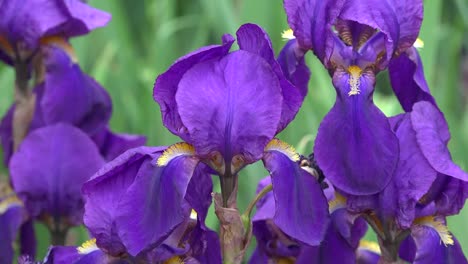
(340, 242)
(47, 173)
(137, 210)
(423, 246)
(228, 107)
(25, 23)
(426, 187)
(355, 145)
(68, 95)
(11, 216)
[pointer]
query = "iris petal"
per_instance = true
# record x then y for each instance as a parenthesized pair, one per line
(11, 216)
(355, 146)
(167, 83)
(71, 96)
(253, 38)
(154, 204)
(399, 20)
(301, 207)
(292, 62)
(230, 106)
(111, 144)
(105, 191)
(412, 178)
(408, 81)
(311, 21)
(49, 168)
(429, 249)
(432, 135)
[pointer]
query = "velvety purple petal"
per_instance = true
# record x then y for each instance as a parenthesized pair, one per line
(10, 221)
(412, 179)
(432, 135)
(144, 219)
(272, 243)
(218, 98)
(71, 96)
(205, 246)
(408, 80)
(105, 191)
(311, 21)
(429, 248)
(399, 20)
(199, 191)
(333, 248)
(258, 257)
(29, 20)
(112, 144)
(253, 38)
(166, 85)
(292, 62)
(350, 227)
(301, 207)
(81, 18)
(448, 194)
(49, 168)
(355, 146)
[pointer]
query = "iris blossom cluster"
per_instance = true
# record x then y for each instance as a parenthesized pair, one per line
(144, 204)
(396, 172)
(206, 98)
(67, 136)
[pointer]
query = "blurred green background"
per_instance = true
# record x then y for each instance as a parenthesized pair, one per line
(146, 36)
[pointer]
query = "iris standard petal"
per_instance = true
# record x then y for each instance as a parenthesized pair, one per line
(301, 207)
(230, 106)
(105, 191)
(154, 204)
(408, 81)
(399, 20)
(29, 20)
(311, 22)
(166, 85)
(71, 96)
(81, 19)
(432, 135)
(254, 39)
(292, 62)
(111, 144)
(49, 168)
(355, 146)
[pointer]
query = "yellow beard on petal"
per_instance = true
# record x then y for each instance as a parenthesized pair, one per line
(354, 79)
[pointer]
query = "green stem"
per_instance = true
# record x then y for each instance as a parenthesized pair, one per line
(257, 198)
